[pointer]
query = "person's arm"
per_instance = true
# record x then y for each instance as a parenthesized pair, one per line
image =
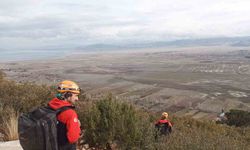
(73, 127)
(170, 124)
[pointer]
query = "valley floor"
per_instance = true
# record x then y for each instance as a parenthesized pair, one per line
(195, 81)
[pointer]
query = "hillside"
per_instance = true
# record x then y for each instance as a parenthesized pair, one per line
(126, 126)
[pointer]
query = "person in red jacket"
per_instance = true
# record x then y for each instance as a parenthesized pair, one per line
(68, 128)
(164, 126)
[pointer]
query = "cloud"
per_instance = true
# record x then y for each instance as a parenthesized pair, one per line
(37, 23)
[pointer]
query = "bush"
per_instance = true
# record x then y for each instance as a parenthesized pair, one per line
(195, 134)
(238, 118)
(23, 96)
(111, 122)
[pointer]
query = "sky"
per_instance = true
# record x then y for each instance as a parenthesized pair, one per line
(67, 24)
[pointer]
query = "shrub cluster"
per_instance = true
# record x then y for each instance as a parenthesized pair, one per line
(111, 122)
(22, 96)
(196, 134)
(238, 118)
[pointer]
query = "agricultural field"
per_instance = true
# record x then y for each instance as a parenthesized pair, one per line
(184, 82)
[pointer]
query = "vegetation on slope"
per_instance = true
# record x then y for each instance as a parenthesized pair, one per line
(16, 98)
(238, 118)
(112, 123)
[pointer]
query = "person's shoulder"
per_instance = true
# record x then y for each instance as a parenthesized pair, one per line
(69, 113)
(163, 121)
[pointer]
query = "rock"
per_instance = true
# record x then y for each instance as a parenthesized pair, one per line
(10, 145)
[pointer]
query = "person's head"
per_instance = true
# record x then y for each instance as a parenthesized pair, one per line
(69, 91)
(164, 115)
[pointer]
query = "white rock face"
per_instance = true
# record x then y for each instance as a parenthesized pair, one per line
(11, 145)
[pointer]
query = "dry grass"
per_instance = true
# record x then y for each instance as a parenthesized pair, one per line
(9, 126)
(196, 134)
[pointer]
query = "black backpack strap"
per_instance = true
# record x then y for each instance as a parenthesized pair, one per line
(62, 109)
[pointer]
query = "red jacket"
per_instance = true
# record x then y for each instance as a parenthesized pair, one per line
(164, 121)
(69, 118)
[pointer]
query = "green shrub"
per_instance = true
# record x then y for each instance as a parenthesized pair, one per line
(23, 96)
(111, 122)
(20, 97)
(238, 118)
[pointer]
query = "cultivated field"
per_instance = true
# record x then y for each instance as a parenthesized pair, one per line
(191, 81)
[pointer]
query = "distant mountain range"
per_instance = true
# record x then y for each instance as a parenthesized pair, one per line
(228, 41)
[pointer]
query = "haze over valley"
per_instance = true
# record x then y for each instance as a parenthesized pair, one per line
(196, 81)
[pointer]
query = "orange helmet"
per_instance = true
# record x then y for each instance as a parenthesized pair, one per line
(68, 86)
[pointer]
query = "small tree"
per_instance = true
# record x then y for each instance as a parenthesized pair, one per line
(238, 118)
(109, 121)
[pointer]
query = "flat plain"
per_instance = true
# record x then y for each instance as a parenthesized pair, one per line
(195, 81)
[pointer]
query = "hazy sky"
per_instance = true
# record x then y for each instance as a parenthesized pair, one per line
(42, 24)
